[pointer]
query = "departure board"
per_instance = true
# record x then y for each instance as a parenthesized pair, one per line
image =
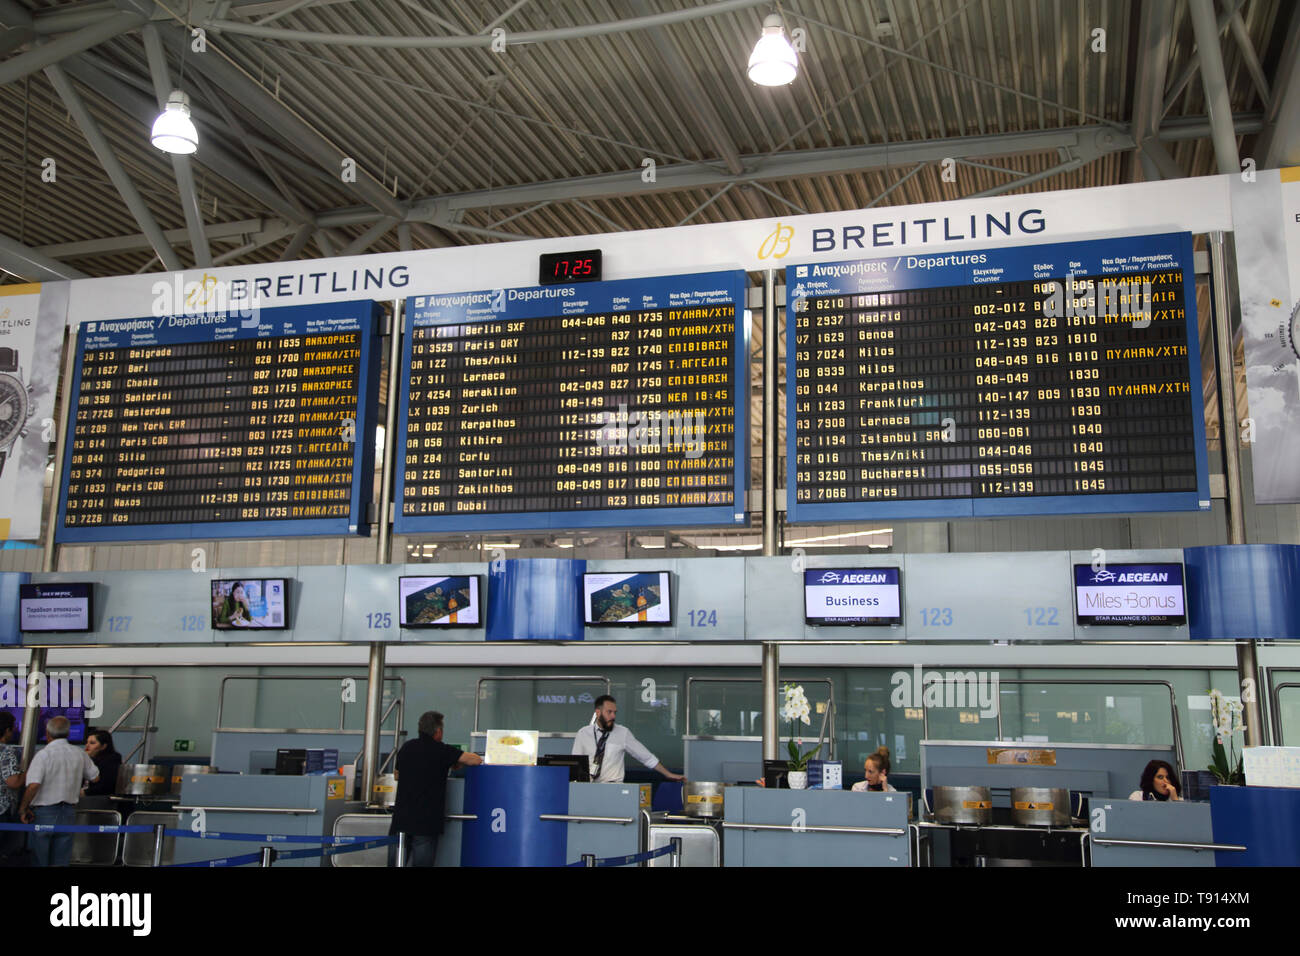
(610, 404)
(1051, 379)
(221, 426)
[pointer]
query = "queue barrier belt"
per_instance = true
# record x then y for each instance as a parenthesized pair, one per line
(72, 828)
(628, 860)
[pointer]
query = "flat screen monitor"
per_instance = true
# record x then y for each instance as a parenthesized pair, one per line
(579, 765)
(253, 603)
(439, 601)
(59, 607)
(76, 720)
(1129, 594)
(627, 599)
(852, 596)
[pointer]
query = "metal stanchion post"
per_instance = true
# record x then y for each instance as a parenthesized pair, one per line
(677, 851)
(588, 859)
(401, 849)
(159, 832)
(268, 855)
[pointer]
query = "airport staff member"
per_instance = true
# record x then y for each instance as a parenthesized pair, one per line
(54, 779)
(876, 767)
(421, 807)
(605, 744)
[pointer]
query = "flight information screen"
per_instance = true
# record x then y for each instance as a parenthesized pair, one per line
(191, 426)
(1051, 379)
(610, 404)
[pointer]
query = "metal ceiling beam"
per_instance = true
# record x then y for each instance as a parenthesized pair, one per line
(30, 264)
(1238, 28)
(485, 40)
(680, 77)
(1155, 35)
(113, 166)
(234, 82)
(298, 243)
(181, 168)
(48, 54)
(1215, 82)
(1279, 144)
(437, 210)
(369, 237)
(233, 124)
(19, 30)
(1194, 63)
(141, 108)
(138, 241)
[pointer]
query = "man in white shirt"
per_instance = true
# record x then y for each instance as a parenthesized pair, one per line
(606, 744)
(54, 780)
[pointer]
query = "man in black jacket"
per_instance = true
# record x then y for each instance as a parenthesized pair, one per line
(421, 772)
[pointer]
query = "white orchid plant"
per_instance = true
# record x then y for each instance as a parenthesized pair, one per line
(1225, 715)
(794, 709)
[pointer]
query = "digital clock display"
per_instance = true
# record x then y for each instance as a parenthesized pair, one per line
(562, 267)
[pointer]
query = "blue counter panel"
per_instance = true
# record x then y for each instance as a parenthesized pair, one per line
(1243, 592)
(1266, 820)
(576, 406)
(222, 425)
(1023, 380)
(508, 803)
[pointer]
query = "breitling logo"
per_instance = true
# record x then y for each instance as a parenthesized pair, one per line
(202, 293)
(776, 245)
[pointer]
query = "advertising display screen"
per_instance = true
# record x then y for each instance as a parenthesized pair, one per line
(190, 426)
(852, 596)
(250, 603)
(628, 600)
(610, 404)
(439, 602)
(1130, 594)
(1052, 379)
(54, 607)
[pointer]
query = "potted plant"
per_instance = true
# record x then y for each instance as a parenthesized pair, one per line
(796, 709)
(1225, 715)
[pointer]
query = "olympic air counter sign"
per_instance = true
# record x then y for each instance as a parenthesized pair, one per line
(852, 596)
(1130, 594)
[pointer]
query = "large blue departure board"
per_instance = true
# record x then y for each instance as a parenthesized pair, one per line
(610, 404)
(1059, 378)
(222, 426)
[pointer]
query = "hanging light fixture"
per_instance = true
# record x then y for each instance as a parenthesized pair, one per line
(173, 130)
(773, 62)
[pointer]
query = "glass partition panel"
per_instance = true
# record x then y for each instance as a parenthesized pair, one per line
(559, 704)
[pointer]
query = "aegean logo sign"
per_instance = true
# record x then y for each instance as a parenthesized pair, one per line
(75, 909)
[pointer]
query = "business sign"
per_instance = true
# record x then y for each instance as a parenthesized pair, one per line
(1266, 214)
(847, 596)
(1130, 594)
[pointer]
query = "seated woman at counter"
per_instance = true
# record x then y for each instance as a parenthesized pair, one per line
(99, 744)
(877, 769)
(1159, 782)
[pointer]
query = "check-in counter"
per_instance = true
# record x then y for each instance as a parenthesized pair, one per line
(1147, 833)
(259, 804)
(764, 827)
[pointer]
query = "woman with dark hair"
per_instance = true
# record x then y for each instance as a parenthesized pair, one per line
(99, 744)
(1159, 782)
(876, 767)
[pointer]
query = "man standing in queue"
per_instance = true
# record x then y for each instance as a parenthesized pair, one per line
(421, 807)
(606, 744)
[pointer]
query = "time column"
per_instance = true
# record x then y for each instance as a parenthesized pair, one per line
(1083, 342)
